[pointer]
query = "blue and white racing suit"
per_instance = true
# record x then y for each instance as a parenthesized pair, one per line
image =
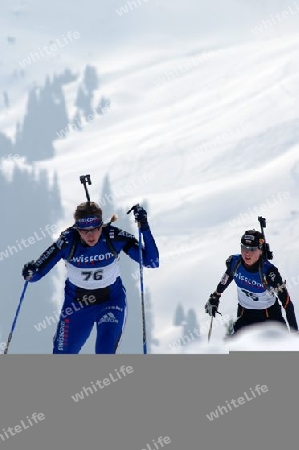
(94, 292)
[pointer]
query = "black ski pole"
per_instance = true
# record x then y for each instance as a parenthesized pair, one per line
(211, 326)
(141, 285)
(15, 319)
(210, 329)
(84, 180)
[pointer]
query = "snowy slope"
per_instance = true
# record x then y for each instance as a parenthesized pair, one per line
(203, 126)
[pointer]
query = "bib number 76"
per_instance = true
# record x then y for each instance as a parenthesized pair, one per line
(97, 275)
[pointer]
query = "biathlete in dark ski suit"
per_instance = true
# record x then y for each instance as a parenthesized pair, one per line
(259, 287)
(94, 292)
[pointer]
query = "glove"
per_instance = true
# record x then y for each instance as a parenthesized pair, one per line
(29, 270)
(211, 307)
(141, 217)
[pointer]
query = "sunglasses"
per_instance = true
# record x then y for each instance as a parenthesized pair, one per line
(91, 230)
(248, 249)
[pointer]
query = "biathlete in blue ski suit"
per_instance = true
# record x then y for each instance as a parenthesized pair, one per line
(94, 292)
(259, 287)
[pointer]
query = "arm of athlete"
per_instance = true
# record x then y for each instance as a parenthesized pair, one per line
(274, 279)
(35, 270)
(212, 305)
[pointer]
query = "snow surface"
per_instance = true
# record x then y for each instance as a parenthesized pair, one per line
(204, 145)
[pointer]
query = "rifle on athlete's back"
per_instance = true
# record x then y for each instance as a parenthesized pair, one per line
(267, 254)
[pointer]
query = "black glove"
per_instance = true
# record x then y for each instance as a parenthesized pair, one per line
(29, 270)
(211, 307)
(141, 217)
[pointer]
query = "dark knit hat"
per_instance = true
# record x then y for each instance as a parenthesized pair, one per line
(252, 238)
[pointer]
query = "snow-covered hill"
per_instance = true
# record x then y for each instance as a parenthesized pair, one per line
(202, 123)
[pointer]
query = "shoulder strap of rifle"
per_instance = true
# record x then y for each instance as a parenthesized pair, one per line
(232, 274)
(73, 247)
(109, 243)
(262, 275)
